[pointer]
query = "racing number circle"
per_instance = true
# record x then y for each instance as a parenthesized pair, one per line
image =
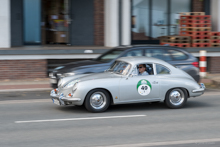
(144, 87)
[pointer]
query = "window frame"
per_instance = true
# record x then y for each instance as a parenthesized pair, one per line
(164, 51)
(135, 68)
(173, 59)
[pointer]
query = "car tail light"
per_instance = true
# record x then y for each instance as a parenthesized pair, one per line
(196, 64)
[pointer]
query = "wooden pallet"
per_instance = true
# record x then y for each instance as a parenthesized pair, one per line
(215, 45)
(191, 13)
(201, 41)
(215, 37)
(175, 41)
(176, 38)
(177, 44)
(195, 29)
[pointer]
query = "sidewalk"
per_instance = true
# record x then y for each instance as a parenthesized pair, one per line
(25, 85)
(211, 81)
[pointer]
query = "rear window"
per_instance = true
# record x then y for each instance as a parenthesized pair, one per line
(162, 69)
(178, 55)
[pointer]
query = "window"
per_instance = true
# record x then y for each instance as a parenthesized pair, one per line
(178, 55)
(120, 67)
(158, 53)
(134, 53)
(146, 69)
(152, 19)
(112, 54)
(162, 69)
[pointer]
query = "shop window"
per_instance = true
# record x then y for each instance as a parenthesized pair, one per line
(152, 19)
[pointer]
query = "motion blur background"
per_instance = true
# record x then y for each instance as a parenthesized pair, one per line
(38, 35)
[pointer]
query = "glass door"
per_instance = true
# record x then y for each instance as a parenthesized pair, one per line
(152, 19)
(32, 19)
(55, 22)
(177, 6)
(159, 19)
(140, 20)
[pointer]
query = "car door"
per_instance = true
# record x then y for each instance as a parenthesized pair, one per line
(139, 88)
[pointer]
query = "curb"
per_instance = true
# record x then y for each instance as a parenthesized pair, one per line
(22, 90)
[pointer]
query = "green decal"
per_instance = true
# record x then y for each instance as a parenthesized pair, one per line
(144, 87)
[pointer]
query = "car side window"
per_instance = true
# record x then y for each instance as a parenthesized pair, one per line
(178, 55)
(134, 53)
(158, 53)
(162, 69)
(146, 69)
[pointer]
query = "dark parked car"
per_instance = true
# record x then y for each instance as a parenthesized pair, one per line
(176, 56)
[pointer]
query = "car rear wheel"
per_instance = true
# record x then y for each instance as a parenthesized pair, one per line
(176, 98)
(97, 100)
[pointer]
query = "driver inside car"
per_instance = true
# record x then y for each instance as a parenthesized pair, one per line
(142, 70)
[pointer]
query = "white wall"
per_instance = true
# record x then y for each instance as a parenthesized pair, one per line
(126, 22)
(111, 23)
(215, 14)
(5, 26)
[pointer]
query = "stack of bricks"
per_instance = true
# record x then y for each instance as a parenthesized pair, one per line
(179, 41)
(197, 25)
(215, 39)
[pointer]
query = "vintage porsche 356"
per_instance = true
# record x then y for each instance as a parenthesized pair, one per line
(122, 84)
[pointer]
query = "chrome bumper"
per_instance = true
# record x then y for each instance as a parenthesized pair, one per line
(201, 89)
(60, 97)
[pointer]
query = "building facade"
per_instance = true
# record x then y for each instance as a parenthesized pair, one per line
(107, 23)
(95, 22)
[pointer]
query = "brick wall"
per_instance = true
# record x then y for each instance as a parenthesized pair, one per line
(23, 69)
(214, 66)
(99, 22)
(198, 5)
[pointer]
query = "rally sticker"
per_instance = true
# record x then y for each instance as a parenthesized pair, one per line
(144, 87)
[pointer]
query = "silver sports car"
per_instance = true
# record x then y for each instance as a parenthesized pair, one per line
(124, 82)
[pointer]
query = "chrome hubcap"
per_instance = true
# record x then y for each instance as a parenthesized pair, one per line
(98, 100)
(176, 97)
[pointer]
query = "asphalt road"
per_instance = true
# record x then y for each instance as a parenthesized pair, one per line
(31, 119)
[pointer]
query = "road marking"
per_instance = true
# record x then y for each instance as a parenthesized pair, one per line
(198, 142)
(25, 101)
(73, 119)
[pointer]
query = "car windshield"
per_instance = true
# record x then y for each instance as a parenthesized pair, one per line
(120, 67)
(112, 54)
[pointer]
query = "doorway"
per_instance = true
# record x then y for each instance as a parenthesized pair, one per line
(55, 22)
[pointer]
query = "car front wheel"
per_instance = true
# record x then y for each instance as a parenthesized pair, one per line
(97, 100)
(176, 98)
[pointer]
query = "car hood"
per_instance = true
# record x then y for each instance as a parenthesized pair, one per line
(86, 77)
(79, 65)
(96, 76)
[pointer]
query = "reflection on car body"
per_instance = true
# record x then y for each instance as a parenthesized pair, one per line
(120, 84)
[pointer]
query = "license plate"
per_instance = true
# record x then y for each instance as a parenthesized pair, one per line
(202, 85)
(55, 101)
(53, 81)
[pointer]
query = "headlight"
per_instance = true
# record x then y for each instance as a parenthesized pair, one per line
(69, 74)
(70, 84)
